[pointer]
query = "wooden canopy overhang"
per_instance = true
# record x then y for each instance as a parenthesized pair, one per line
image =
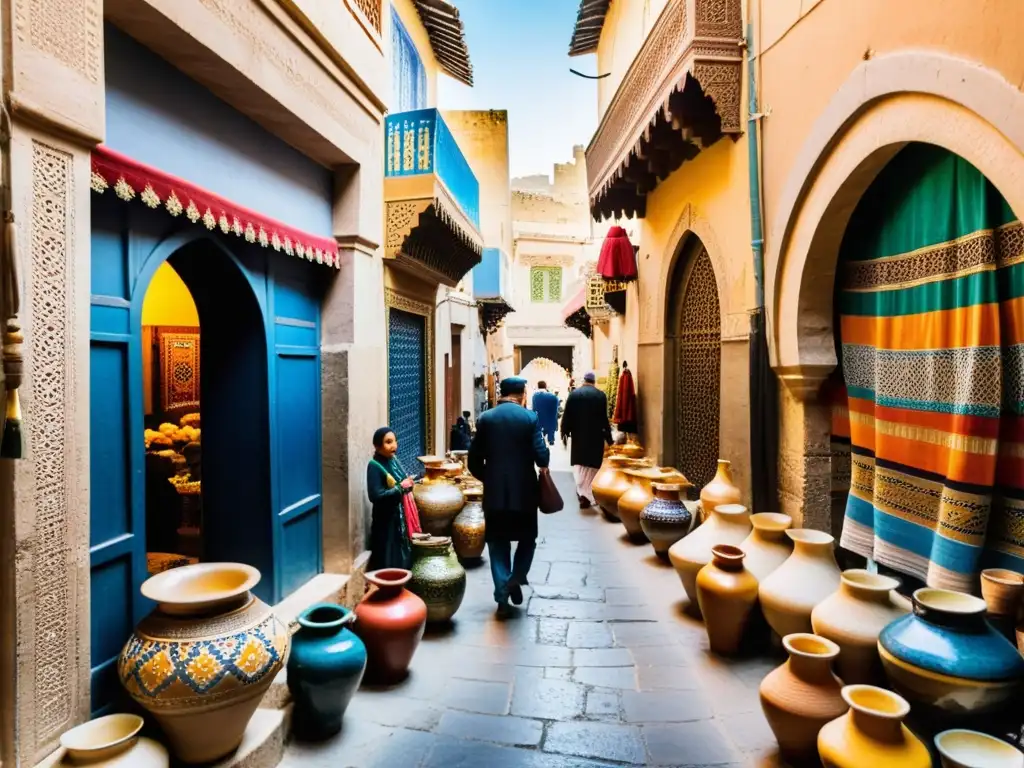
(447, 38)
(589, 23)
(681, 94)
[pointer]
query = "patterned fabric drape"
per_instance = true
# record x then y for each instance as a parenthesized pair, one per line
(408, 75)
(931, 303)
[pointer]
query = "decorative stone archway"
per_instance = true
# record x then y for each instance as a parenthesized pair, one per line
(542, 369)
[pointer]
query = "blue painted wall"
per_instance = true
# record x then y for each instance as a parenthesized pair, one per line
(158, 116)
(487, 275)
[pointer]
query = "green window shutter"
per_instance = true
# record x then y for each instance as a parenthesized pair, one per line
(555, 284)
(536, 284)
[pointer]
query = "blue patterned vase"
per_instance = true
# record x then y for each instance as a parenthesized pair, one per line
(324, 670)
(947, 656)
(666, 519)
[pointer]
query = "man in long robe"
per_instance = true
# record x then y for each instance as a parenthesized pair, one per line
(585, 422)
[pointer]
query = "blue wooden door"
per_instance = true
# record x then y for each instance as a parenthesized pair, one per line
(407, 366)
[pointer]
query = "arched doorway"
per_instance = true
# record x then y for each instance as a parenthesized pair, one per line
(693, 363)
(551, 373)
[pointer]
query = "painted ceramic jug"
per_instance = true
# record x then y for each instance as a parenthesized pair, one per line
(728, 524)
(947, 656)
(767, 547)
(112, 741)
(640, 494)
(437, 576)
(853, 616)
(721, 490)
(390, 620)
(727, 596)
(960, 748)
(871, 734)
(438, 499)
(802, 695)
(469, 526)
(666, 519)
(790, 592)
(201, 662)
(325, 668)
(610, 483)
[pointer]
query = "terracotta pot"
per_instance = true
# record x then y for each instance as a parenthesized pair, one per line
(871, 734)
(110, 742)
(437, 576)
(666, 518)
(1002, 590)
(610, 483)
(728, 524)
(767, 547)
(945, 655)
(960, 748)
(802, 695)
(469, 525)
(790, 592)
(390, 620)
(721, 490)
(727, 595)
(640, 494)
(853, 616)
(234, 646)
(438, 499)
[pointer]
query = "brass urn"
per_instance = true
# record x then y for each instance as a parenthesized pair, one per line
(640, 494)
(438, 499)
(468, 527)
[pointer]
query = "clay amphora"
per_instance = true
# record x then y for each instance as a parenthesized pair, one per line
(666, 518)
(767, 547)
(721, 490)
(802, 695)
(727, 524)
(469, 525)
(727, 595)
(790, 592)
(437, 576)
(871, 734)
(438, 499)
(390, 620)
(610, 483)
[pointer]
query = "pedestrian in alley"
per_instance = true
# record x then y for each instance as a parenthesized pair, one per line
(545, 405)
(507, 445)
(386, 483)
(585, 422)
(459, 438)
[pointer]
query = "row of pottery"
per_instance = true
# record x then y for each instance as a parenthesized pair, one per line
(611, 482)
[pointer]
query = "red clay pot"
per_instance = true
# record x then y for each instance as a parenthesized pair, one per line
(390, 620)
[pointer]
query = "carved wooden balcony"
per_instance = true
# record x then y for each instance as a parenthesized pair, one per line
(681, 94)
(432, 199)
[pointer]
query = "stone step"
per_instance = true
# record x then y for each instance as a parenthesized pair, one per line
(263, 743)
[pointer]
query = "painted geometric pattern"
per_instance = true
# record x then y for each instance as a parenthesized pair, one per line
(407, 385)
(164, 672)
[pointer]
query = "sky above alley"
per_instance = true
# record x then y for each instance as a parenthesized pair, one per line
(519, 50)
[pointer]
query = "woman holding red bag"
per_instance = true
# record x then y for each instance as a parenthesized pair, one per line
(394, 518)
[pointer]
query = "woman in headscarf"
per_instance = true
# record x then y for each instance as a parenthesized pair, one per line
(386, 483)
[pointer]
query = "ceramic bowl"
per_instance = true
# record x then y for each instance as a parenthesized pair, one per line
(959, 748)
(101, 738)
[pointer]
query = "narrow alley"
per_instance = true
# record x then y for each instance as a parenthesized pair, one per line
(599, 667)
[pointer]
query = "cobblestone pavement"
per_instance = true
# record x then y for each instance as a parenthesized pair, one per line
(600, 667)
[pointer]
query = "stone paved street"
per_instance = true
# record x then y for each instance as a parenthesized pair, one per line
(600, 667)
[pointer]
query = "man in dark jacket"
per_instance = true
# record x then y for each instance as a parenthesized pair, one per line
(507, 444)
(585, 421)
(545, 405)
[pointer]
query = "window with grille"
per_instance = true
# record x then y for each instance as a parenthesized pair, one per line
(407, 71)
(545, 284)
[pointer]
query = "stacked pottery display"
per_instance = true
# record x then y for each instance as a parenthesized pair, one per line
(640, 494)
(945, 655)
(438, 499)
(469, 526)
(390, 620)
(610, 483)
(767, 547)
(727, 524)
(853, 616)
(437, 576)
(631, 448)
(201, 662)
(789, 594)
(727, 596)
(871, 734)
(666, 519)
(721, 490)
(802, 695)
(959, 748)
(112, 741)
(1002, 590)
(325, 668)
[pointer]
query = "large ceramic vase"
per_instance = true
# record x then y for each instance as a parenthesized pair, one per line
(390, 620)
(727, 524)
(325, 668)
(721, 490)
(871, 734)
(438, 499)
(802, 695)
(666, 518)
(201, 662)
(853, 616)
(727, 596)
(610, 483)
(767, 547)
(437, 576)
(469, 526)
(112, 741)
(790, 592)
(640, 494)
(945, 655)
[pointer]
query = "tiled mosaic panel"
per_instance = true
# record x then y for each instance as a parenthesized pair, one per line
(407, 385)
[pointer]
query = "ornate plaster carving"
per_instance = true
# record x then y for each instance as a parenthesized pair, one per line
(70, 31)
(545, 260)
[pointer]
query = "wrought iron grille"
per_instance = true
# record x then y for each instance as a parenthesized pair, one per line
(407, 364)
(698, 373)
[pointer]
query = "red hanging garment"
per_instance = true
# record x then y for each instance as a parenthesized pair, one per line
(618, 259)
(625, 402)
(412, 514)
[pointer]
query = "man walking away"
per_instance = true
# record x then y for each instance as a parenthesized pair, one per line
(507, 445)
(545, 405)
(585, 421)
